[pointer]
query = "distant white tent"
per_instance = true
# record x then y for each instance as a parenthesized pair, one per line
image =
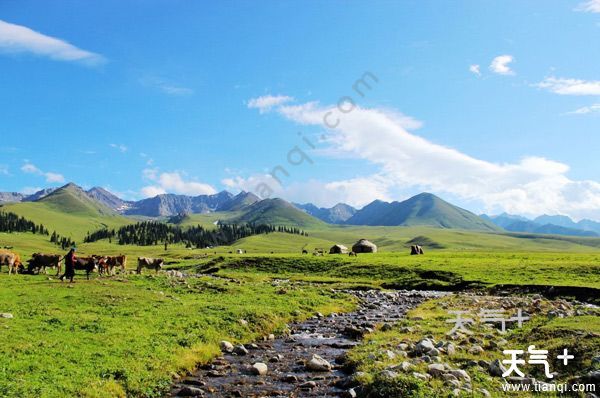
(338, 249)
(364, 246)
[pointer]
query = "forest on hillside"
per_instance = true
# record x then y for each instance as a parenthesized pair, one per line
(150, 233)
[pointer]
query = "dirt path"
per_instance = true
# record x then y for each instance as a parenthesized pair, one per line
(231, 375)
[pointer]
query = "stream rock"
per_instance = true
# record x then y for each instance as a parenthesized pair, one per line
(190, 392)
(259, 369)
(240, 350)
(318, 364)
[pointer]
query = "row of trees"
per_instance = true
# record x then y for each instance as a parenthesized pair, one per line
(11, 222)
(61, 241)
(150, 233)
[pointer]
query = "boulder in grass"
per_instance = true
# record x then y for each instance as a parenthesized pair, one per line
(226, 346)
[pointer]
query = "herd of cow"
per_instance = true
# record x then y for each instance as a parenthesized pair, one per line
(107, 265)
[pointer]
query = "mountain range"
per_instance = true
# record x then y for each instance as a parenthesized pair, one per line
(337, 214)
(423, 209)
(545, 224)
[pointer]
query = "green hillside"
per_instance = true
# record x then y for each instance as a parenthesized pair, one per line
(72, 199)
(69, 212)
(277, 212)
(423, 209)
(399, 239)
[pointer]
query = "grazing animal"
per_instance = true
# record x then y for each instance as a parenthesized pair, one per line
(352, 254)
(11, 259)
(304, 251)
(39, 262)
(87, 264)
(150, 263)
(102, 263)
(110, 264)
(416, 250)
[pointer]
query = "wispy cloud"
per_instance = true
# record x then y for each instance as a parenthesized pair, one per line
(564, 86)
(149, 160)
(475, 69)
(30, 190)
(122, 148)
(595, 108)
(405, 160)
(266, 102)
(589, 6)
(21, 39)
(165, 86)
(500, 65)
(30, 168)
(4, 170)
(173, 182)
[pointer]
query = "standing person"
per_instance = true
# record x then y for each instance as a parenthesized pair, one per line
(69, 266)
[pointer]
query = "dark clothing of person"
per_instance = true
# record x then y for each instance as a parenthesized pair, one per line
(70, 265)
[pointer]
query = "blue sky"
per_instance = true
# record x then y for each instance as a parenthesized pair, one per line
(493, 105)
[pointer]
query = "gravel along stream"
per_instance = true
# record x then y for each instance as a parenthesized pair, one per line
(305, 363)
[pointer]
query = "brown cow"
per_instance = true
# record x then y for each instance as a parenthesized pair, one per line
(87, 264)
(39, 262)
(151, 263)
(113, 262)
(11, 259)
(108, 264)
(102, 263)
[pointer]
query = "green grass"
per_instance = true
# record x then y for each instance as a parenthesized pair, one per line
(68, 224)
(433, 270)
(127, 336)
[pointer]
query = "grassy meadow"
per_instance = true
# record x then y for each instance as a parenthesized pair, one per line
(128, 335)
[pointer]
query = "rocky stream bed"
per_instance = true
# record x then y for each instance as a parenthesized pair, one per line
(308, 362)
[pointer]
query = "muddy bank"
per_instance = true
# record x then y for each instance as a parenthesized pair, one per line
(306, 363)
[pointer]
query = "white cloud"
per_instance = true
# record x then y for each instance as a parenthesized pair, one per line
(172, 89)
(54, 177)
(152, 191)
(355, 192)
(4, 170)
(30, 168)
(476, 69)
(595, 108)
(120, 147)
(166, 86)
(30, 190)
(20, 39)
(570, 86)
(531, 186)
(500, 65)
(173, 183)
(266, 102)
(589, 6)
